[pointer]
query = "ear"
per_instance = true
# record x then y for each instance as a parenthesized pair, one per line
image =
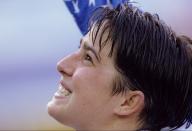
(131, 102)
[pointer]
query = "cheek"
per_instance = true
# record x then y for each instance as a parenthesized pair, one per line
(92, 86)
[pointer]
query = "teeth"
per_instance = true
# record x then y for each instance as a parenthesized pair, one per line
(62, 91)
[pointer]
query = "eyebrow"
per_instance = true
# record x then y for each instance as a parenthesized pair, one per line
(89, 48)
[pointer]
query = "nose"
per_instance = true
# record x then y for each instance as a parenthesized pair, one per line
(67, 65)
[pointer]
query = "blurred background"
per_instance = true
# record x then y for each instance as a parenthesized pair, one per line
(34, 35)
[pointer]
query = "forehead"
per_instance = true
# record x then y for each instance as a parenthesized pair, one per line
(100, 37)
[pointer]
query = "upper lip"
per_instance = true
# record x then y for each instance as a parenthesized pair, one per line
(63, 84)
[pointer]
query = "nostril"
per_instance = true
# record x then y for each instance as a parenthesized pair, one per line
(67, 65)
(64, 69)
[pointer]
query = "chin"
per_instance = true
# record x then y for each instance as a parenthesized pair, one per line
(56, 112)
(53, 111)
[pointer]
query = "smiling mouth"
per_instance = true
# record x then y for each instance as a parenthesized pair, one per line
(63, 92)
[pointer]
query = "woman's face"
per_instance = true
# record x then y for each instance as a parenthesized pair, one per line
(84, 98)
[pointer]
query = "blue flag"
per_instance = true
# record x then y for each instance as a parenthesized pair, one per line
(82, 9)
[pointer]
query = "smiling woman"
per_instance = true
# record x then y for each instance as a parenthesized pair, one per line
(89, 80)
(131, 72)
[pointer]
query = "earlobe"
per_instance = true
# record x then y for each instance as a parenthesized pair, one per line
(132, 102)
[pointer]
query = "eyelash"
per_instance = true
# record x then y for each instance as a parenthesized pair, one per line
(88, 58)
(87, 55)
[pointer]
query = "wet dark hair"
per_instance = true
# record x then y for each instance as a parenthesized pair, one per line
(151, 58)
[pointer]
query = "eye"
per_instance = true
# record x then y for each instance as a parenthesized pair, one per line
(88, 58)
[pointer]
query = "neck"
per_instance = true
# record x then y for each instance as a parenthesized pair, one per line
(118, 124)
